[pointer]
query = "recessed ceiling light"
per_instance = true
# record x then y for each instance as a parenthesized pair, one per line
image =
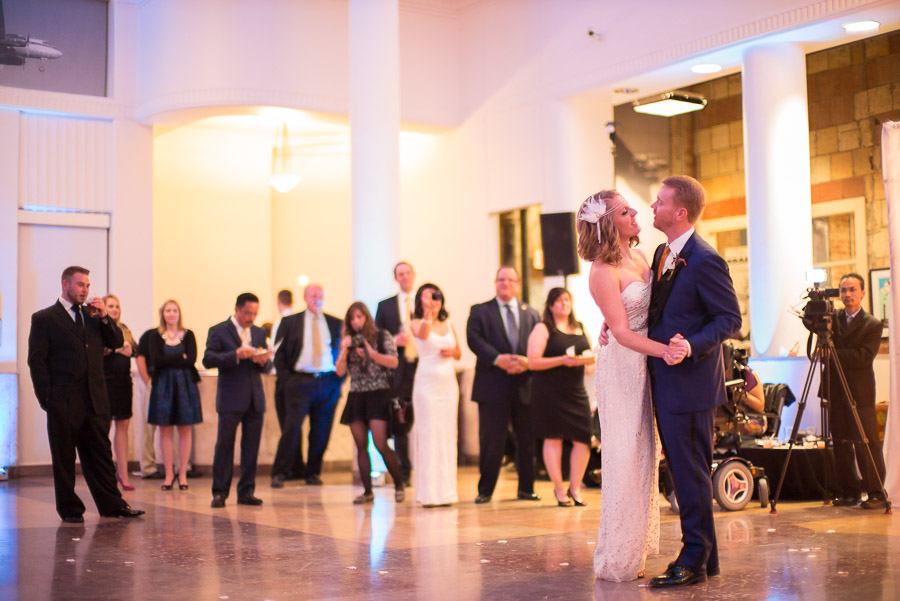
(706, 68)
(861, 26)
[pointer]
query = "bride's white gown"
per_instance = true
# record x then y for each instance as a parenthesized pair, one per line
(436, 407)
(629, 510)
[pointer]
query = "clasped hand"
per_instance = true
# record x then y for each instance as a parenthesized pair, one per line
(512, 364)
(677, 350)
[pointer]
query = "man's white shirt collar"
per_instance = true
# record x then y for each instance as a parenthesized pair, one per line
(675, 248)
(68, 306)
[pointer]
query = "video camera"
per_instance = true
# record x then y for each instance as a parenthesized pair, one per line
(818, 312)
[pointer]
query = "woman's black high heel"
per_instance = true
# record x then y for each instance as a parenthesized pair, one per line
(182, 486)
(578, 502)
(167, 487)
(565, 503)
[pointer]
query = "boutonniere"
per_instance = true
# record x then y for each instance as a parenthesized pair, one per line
(680, 262)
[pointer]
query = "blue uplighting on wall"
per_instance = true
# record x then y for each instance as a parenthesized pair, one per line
(48, 209)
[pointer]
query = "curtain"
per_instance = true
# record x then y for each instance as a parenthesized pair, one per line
(890, 165)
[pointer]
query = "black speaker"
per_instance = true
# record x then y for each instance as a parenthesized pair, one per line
(559, 240)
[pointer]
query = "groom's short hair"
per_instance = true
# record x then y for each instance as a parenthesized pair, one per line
(689, 193)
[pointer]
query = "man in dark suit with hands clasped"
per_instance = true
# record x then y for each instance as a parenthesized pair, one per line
(65, 356)
(497, 332)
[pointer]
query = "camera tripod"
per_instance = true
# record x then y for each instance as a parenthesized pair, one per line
(825, 357)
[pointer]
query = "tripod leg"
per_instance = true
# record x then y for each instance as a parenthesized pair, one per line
(801, 405)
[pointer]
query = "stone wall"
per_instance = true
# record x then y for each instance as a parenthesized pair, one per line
(852, 90)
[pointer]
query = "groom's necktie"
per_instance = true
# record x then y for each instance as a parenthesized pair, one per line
(662, 263)
(512, 328)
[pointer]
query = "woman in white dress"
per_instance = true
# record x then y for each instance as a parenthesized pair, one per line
(620, 282)
(435, 400)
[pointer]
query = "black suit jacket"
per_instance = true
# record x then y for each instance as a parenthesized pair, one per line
(856, 346)
(290, 333)
(387, 317)
(62, 358)
(487, 338)
(240, 382)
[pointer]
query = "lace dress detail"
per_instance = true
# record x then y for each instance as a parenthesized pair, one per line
(629, 512)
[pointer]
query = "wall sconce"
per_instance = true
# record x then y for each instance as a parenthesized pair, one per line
(670, 103)
(283, 178)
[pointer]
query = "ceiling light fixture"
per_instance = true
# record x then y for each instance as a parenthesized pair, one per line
(861, 26)
(706, 68)
(283, 178)
(670, 103)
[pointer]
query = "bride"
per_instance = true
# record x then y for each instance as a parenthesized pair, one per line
(620, 282)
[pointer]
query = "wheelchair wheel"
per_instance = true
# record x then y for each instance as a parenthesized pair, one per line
(763, 487)
(732, 485)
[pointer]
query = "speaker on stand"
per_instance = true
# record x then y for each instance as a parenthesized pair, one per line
(559, 240)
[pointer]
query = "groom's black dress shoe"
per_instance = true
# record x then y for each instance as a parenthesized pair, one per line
(677, 576)
(124, 512)
(73, 519)
(249, 500)
(482, 499)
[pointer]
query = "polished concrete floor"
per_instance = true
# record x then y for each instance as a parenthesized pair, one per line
(312, 543)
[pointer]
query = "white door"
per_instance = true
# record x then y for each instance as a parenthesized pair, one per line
(44, 251)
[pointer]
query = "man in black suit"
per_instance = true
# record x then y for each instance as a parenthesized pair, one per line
(285, 304)
(309, 345)
(857, 336)
(393, 314)
(65, 356)
(497, 332)
(238, 349)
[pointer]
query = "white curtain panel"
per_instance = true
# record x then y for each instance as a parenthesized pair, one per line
(890, 165)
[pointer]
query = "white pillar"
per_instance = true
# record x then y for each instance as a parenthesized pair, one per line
(776, 166)
(374, 138)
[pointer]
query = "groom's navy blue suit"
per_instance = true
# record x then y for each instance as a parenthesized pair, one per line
(697, 300)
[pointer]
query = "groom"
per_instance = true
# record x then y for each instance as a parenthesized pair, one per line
(692, 297)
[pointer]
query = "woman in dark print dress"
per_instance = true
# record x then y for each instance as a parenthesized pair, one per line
(174, 399)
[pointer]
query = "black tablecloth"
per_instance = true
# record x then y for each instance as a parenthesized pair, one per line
(805, 477)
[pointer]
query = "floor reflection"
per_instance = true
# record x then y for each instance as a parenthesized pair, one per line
(312, 543)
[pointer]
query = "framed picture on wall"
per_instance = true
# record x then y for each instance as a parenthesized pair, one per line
(880, 295)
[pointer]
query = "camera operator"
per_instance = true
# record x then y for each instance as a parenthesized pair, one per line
(857, 336)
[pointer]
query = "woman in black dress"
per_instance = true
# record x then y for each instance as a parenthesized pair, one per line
(370, 356)
(117, 369)
(558, 352)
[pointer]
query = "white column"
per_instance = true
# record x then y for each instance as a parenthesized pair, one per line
(374, 138)
(776, 165)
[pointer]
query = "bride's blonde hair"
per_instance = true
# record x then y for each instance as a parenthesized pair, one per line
(599, 241)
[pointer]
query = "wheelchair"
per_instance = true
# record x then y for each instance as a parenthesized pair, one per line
(734, 478)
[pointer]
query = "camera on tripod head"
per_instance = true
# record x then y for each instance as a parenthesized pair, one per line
(818, 313)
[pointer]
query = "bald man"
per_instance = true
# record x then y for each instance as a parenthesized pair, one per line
(305, 366)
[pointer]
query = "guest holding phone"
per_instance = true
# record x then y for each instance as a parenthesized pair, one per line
(435, 400)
